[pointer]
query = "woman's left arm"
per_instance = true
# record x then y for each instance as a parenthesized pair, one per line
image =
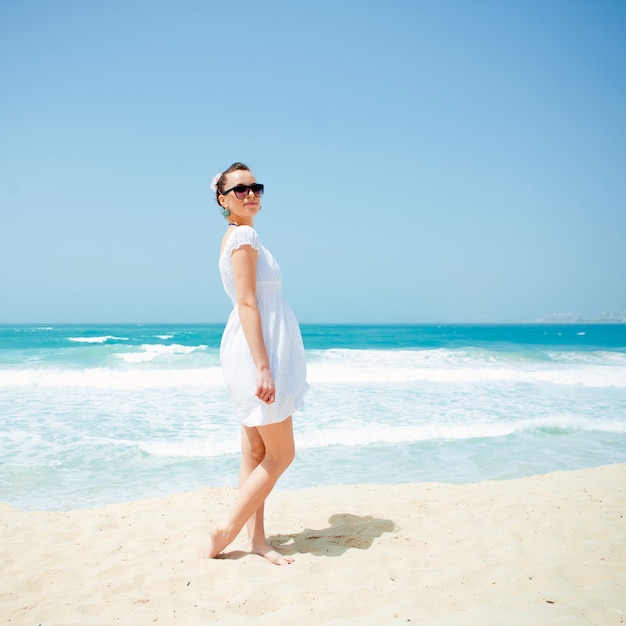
(244, 261)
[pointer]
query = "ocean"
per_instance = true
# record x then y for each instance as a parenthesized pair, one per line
(91, 415)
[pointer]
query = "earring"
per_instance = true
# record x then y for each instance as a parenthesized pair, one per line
(226, 212)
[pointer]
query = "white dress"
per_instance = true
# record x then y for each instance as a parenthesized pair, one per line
(281, 335)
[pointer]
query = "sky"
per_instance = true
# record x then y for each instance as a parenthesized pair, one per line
(424, 161)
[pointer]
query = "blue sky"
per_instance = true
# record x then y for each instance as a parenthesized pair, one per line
(426, 161)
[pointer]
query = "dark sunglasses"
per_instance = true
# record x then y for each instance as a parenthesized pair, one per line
(242, 191)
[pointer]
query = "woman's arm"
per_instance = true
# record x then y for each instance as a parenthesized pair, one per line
(244, 261)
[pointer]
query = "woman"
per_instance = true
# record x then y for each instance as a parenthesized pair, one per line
(263, 361)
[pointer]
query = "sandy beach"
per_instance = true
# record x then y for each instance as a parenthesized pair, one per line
(542, 550)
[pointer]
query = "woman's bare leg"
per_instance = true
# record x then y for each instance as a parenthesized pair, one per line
(257, 478)
(253, 452)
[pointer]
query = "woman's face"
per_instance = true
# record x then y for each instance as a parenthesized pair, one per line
(245, 207)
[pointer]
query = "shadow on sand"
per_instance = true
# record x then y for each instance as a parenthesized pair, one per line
(346, 531)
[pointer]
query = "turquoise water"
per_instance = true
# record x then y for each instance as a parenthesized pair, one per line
(97, 414)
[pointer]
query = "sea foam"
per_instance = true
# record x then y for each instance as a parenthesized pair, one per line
(102, 339)
(152, 352)
(106, 378)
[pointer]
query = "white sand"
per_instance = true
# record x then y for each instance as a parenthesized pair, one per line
(543, 550)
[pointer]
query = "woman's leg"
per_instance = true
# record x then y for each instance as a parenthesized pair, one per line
(277, 440)
(252, 454)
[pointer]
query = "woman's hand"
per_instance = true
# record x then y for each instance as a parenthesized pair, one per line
(265, 390)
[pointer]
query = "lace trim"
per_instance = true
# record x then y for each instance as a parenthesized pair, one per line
(243, 236)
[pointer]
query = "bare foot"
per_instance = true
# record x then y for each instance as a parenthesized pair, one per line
(268, 552)
(219, 540)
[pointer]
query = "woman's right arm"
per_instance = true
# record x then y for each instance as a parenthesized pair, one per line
(244, 260)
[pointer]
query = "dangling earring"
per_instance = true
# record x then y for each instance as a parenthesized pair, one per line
(226, 212)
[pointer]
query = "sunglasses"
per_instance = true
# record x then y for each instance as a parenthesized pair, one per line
(242, 191)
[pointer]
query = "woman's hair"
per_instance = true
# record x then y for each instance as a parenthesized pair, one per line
(222, 179)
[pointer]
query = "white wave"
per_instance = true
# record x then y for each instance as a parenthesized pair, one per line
(105, 378)
(461, 356)
(374, 434)
(151, 352)
(172, 365)
(317, 376)
(344, 366)
(191, 448)
(572, 423)
(385, 434)
(102, 339)
(330, 373)
(164, 337)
